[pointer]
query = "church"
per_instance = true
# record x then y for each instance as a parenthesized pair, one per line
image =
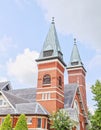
(51, 93)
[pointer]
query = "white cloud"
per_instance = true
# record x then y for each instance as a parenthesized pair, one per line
(24, 67)
(77, 17)
(6, 43)
(95, 63)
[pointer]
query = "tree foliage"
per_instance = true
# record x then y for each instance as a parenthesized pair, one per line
(96, 118)
(61, 121)
(7, 124)
(21, 123)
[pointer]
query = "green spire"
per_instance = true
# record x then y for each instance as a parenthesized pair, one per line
(75, 59)
(51, 48)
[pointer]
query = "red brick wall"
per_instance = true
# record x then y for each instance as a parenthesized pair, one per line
(54, 69)
(77, 75)
(34, 121)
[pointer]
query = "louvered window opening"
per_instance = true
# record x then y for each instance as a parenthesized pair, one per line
(46, 79)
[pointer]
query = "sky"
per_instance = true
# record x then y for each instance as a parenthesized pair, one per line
(24, 25)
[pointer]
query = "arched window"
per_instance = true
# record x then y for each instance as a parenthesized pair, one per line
(46, 79)
(60, 81)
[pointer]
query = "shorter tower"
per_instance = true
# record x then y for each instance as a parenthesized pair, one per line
(50, 86)
(77, 73)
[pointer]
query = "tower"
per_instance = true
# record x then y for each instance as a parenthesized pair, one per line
(50, 85)
(77, 73)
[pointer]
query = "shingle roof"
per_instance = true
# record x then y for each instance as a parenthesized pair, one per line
(31, 108)
(30, 93)
(24, 108)
(26, 93)
(6, 110)
(69, 93)
(73, 114)
(13, 99)
(24, 100)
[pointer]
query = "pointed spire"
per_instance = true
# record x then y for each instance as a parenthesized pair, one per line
(51, 47)
(75, 59)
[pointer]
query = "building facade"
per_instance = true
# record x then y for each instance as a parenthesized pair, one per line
(51, 93)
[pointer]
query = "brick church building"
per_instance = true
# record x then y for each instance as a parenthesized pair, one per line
(50, 94)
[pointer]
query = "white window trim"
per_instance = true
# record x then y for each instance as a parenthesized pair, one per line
(29, 119)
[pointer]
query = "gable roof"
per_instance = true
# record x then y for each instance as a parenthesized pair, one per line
(5, 86)
(13, 99)
(19, 105)
(69, 94)
(24, 100)
(70, 91)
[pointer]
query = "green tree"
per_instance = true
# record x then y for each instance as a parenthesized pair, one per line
(7, 124)
(61, 121)
(21, 123)
(96, 118)
(89, 120)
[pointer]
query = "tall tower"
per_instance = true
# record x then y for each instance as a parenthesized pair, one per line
(77, 73)
(50, 85)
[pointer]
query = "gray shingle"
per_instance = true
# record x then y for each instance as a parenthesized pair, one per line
(24, 100)
(31, 108)
(69, 93)
(14, 99)
(6, 110)
(26, 93)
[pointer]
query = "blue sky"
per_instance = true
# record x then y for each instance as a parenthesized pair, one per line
(24, 25)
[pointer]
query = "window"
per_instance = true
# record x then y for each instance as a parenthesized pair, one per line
(60, 81)
(46, 79)
(60, 55)
(3, 102)
(45, 96)
(29, 120)
(74, 63)
(45, 123)
(39, 123)
(48, 53)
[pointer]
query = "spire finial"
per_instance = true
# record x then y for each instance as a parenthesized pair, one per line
(74, 40)
(52, 20)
